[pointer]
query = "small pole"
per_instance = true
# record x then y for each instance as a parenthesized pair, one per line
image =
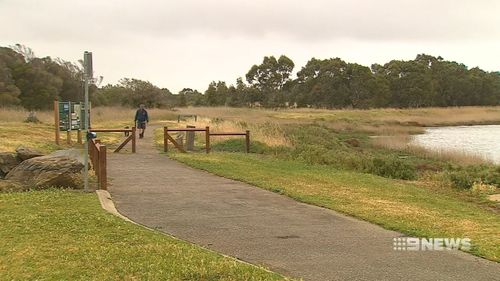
(165, 139)
(56, 120)
(207, 139)
(88, 74)
(68, 137)
(79, 136)
(133, 139)
(247, 140)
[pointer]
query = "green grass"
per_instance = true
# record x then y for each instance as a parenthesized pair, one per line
(394, 204)
(65, 235)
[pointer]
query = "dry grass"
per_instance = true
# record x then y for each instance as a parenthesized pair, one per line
(20, 114)
(416, 116)
(269, 133)
(445, 116)
(403, 143)
(374, 121)
(266, 124)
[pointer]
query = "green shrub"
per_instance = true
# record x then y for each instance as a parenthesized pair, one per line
(312, 154)
(238, 145)
(391, 167)
(465, 177)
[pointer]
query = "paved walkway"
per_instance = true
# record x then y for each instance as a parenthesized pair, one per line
(265, 228)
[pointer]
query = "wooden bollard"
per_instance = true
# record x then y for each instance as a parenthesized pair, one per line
(190, 138)
(56, 120)
(79, 136)
(68, 137)
(247, 140)
(133, 139)
(207, 139)
(103, 183)
(165, 139)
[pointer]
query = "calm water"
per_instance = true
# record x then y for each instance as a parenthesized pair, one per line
(482, 140)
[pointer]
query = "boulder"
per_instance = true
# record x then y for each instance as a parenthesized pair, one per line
(25, 153)
(77, 154)
(48, 171)
(10, 186)
(7, 162)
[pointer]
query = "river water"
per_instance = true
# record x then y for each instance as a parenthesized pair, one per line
(481, 140)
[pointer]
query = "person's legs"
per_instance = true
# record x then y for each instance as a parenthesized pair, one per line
(142, 127)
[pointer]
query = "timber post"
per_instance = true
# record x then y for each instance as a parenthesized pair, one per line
(133, 139)
(247, 140)
(103, 184)
(207, 139)
(79, 136)
(56, 120)
(165, 139)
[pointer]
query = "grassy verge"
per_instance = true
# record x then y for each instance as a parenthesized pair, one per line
(39, 136)
(64, 235)
(393, 204)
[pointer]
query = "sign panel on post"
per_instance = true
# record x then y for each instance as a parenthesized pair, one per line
(72, 116)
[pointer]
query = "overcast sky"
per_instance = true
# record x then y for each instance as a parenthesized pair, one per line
(187, 43)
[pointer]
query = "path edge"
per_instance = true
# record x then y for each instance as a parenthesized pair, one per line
(108, 205)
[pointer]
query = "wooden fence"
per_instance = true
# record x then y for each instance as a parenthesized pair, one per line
(97, 153)
(128, 132)
(168, 138)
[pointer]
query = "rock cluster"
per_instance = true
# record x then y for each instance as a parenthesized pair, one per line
(29, 169)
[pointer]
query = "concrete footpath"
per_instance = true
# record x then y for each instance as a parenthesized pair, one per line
(264, 228)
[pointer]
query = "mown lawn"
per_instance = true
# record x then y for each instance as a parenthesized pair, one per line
(393, 204)
(65, 235)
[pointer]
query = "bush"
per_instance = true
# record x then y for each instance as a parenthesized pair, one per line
(312, 154)
(238, 145)
(391, 167)
(465, 177)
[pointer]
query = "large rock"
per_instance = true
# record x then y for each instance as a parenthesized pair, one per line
(25, 153)
(48, 171)
(10, 186)
(7, 162)
(77, 154)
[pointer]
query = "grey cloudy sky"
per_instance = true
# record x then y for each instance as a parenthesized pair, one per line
(187, 43)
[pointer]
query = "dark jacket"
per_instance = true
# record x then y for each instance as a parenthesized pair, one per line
(141, 115)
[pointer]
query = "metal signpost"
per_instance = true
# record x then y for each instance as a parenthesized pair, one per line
(88, 74)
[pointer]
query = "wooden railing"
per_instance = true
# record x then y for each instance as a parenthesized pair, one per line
(97, 153)
(128, 132)
(168, 138)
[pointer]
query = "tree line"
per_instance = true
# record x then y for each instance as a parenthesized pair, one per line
(34, 83)
(333, 83)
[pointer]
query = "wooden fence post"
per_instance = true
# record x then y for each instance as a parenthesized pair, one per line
(133, 139)
(247, 141)
(190, 138)
(103, 183)
(165, 139)
(207, 139)
(68, 137)
(56, 119)
(79, 136)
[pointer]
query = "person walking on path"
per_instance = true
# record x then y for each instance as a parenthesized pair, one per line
(141, 118)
